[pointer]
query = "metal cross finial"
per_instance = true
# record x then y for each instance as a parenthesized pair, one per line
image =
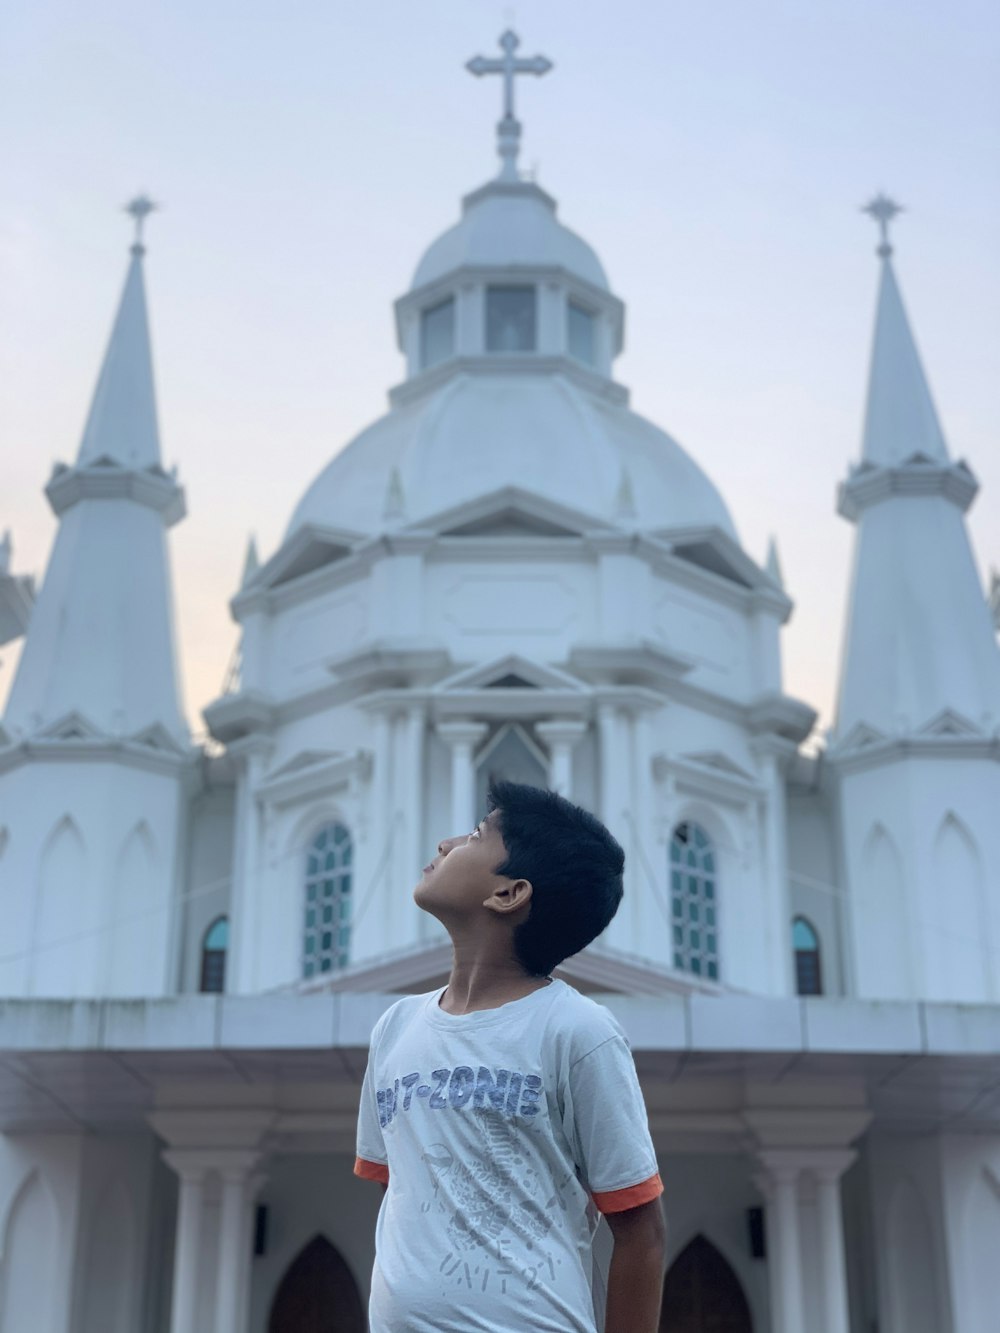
(883, 210)
(508, 65)
(140, 208)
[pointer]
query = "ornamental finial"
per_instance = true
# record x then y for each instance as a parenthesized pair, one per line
(140, 208)
(883, 210)
(508, 65)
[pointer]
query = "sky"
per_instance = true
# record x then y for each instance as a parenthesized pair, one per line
(306, 153)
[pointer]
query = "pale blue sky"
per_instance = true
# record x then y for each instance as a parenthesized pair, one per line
(307, 152)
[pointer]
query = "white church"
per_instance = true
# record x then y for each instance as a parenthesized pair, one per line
(510, 573)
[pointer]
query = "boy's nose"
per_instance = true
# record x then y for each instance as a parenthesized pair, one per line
(446, 844)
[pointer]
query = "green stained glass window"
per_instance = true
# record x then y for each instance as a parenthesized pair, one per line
(327, 914)
(693, 901)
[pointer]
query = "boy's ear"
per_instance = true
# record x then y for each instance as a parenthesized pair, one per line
(510, 896)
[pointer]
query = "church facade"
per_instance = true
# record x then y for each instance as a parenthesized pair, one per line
(510, 573)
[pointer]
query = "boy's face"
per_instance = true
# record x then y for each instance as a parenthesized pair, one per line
(462, 877)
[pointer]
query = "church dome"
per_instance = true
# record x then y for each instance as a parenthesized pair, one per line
(505, 225)
(542, 433)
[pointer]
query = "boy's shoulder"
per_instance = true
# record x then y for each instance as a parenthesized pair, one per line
(583, 1021)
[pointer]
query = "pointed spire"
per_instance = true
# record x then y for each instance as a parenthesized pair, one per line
(900, 418)
(772, 564)
(395, 498)
(122, 423)
(251, 562)
(625, 498)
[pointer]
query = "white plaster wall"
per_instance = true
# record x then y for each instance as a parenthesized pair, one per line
(914, 1289)
(971, 1179)
(930, 939)
(39, 1218)
(89, 879)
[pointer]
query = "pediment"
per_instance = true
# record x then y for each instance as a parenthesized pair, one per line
(71, 727)
(312, 547)
(860, 737)
(950, 723)
(158, 738)
(720, 763)
(711, 549)
(514, 513)
(510, 672)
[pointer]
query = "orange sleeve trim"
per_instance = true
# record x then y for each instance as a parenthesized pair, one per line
(618, 1201)
(371, 1170)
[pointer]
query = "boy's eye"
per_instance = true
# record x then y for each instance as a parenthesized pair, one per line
(475, 832)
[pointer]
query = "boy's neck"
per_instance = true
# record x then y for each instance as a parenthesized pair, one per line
(485, 978)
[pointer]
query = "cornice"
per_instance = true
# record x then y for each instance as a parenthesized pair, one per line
(108, 480)
(508, 363)
(100, 750)
(326, 775)
(869, 485)
(890, 749)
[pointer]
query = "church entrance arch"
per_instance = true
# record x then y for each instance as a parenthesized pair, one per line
(702, 1294)
(317, 1294)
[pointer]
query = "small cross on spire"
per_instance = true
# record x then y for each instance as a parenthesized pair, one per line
(883, 210)
(140, 208)
(508, 65)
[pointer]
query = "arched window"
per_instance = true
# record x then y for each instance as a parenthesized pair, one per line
(213, 955)
(693, 901)
(327, 936)
(808, 972)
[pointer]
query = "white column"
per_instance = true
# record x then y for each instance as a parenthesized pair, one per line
(235, 1170)
(828, 1170)
(772, 754)
(783, 1240)
(462, 737)
(561, 736)
(614, 775)
(191, 1169)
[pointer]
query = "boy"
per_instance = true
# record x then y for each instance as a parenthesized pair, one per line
(503, 1112)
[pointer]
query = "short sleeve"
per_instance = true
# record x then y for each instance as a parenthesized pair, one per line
(609, 1129)
(371, 1162)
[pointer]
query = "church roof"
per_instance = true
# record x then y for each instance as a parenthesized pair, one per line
(538, 432)
(509, 224)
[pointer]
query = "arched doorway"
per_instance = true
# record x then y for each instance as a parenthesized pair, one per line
(317, 1294)
(702, 1294)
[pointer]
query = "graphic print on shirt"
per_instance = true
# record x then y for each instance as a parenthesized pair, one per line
(499, 1208)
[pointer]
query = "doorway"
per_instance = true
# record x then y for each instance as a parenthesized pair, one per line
(317, 1294)
(702, 1294)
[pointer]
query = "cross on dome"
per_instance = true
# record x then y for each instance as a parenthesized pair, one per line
(883, 210)
(508, 66)
(140, 208)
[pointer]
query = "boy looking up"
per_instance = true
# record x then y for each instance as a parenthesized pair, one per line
(503, 1112)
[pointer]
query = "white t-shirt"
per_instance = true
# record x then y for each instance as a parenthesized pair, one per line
(497, 1133)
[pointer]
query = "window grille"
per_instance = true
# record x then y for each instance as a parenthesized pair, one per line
(327, 934)
(694, 902)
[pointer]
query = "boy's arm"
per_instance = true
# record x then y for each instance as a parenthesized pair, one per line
(635, 1279)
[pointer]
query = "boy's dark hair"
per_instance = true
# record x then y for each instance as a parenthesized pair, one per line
(574, 867)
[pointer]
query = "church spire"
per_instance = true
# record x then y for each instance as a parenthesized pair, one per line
(100, 645)
(919, 641)
(900, 420)
(122, 424)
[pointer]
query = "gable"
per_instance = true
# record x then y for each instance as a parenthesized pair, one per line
(511, 513)
(511, 672)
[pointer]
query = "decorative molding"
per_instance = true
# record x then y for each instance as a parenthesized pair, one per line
(105, 479)
(869, 484)
(312, 774)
